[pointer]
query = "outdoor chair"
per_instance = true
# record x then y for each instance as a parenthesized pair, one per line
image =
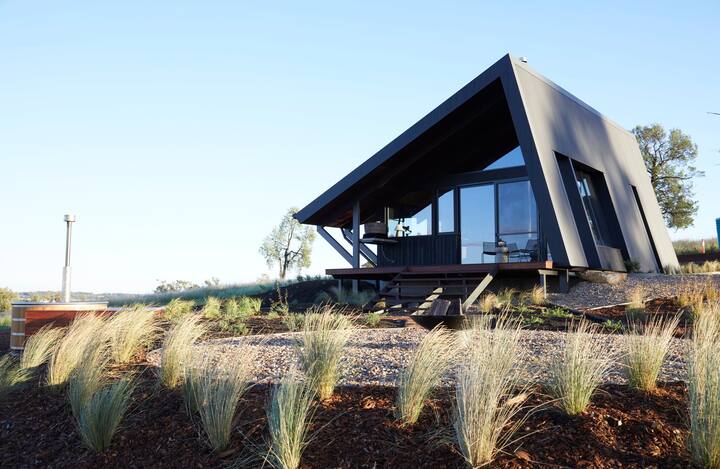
(489, 249)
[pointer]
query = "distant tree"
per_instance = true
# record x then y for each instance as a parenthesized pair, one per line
(6, 298)
(289, 245)
(212, 282)
(176, 286)
(670, 162)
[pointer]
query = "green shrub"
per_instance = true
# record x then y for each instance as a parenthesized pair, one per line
(234, 326)
(5, 320)
(98, 420)
(373, 318)
(631, 265)
(212, 308)
(324, 337)
(294, 321)
(241, 308)
(7, 296)
(289, 415)
(426, 366)
(576, 373)
(557, 312)
(177, 309)
(612, 326)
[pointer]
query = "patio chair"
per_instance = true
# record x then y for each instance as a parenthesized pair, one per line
(531, 249)
(489, 249)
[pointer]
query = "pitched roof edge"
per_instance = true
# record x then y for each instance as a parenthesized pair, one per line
(398, 143)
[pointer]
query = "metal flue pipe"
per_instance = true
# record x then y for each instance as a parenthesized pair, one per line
(69, 220)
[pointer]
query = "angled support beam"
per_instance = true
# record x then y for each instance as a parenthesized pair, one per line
(334, 243)
(364, 250)
(479, 289)
(356, 241)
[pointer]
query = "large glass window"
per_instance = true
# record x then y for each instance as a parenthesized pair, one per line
(477, 224)
(417, 224)
(446, 212)
(517, 220)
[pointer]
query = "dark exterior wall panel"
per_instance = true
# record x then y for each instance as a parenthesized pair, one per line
(561, 123)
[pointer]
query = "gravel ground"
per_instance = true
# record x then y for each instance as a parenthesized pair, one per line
(591, 295)
(375, 356)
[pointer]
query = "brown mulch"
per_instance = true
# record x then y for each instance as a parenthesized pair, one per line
(355, 428)
(658, 306)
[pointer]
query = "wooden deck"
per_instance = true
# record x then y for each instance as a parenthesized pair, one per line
(386, 273)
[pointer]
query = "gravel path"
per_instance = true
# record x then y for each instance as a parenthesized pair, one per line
(375, 356)
(590, 295)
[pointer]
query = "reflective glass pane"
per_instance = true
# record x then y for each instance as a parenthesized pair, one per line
(516, 204)
(477, 224)
(446, 212)
(509, 160)
(418, 224)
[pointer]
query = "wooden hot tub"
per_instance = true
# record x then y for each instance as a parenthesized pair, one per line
(27, 318)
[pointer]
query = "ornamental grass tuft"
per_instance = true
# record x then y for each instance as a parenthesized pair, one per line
(324, 336)
(426, 366)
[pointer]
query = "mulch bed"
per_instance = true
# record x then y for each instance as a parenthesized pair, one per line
(658, 306)
(355, 428)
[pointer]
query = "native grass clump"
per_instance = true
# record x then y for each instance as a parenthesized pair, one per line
(39, 346)
(576, 373)
(289, 415)
(84, 333)
(489, 391)
(177, 349)
(131, 331)
(704, 388)
(213, 390)
(177, 309)
(324, 336)
(99, 418)
(647, 344)
(423, 372)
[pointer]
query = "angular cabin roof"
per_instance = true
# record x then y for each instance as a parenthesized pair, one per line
(506, 106)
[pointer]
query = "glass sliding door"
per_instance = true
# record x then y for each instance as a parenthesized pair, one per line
(498, 211)
(477, 223)
(518, 220)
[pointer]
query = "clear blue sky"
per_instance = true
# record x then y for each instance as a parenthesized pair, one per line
(179, 132)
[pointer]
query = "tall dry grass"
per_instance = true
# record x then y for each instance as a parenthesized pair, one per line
(11, 375)
(99, 418)
(289, 415)
(488, 302)
(177, 349)
(214, 391)
(581, 367)
(39, 346)
(85, 332)
(426, 366)
(489, 392)
(324, 336)
(131, 331)
(88, 378)
(647, 344)
(704, 388)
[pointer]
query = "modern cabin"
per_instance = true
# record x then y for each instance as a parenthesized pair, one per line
(511, 173)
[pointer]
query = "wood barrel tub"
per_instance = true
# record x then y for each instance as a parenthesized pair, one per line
(27, 318)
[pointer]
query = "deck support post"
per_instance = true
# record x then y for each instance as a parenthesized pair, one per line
(356, 241)
(564, 281)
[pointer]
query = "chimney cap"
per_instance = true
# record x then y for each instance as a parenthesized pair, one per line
(70, 218)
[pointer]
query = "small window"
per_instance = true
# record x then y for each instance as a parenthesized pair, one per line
(446, 212)
(417, 224)
(509, 160)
